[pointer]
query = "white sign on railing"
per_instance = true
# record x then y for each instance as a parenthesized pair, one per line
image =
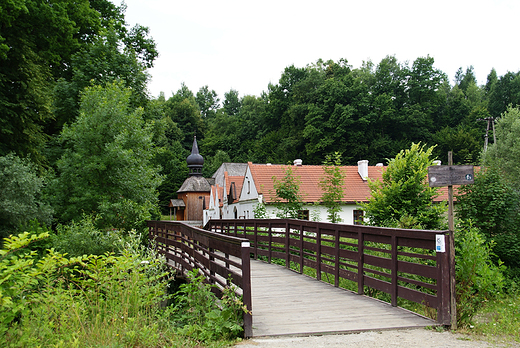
(440, 243)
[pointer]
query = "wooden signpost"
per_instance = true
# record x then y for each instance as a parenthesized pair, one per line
(449, 175)
(439, 176)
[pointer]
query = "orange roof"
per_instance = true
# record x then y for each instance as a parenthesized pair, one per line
(355, 189)
(238, 180)
(220, 195)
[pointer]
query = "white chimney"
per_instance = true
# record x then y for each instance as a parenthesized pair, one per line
(379, 165)
(437, 162)
(363, 169)
(298, 162)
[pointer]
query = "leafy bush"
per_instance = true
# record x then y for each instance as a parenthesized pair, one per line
(91, 300)
(493, 205)
(84, 238)
(478, 279)
(20, 195)
(106, 166)
(404, 196)
(260, 211)
(199, 314)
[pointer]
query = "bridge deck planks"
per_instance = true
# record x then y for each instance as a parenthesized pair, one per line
(287, 303)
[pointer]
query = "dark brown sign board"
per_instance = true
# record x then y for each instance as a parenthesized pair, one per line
(439, 176)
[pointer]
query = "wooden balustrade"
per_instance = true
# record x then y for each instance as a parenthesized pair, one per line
(224, 260)
(401, 263)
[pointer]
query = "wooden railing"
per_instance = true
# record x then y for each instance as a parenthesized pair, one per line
(223, 260)
(400, 263)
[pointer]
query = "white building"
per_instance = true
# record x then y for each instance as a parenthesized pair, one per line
(240, 187)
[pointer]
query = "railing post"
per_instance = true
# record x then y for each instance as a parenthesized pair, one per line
(443, 285)
(287, 248)
(361, 261)
(336, 258)
(318, 252)
(301, 249)
(269, 251)
(393, 271)
(255, 238)
(246, 288)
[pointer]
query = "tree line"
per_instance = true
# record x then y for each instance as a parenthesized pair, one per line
(52, 73)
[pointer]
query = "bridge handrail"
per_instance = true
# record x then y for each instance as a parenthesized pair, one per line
(223, 260)
(402, 263)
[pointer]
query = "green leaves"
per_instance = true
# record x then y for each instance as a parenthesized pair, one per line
(478, 279)
(96, 300)
(106, 167)
(332, 186)
(21, 195)
(505, 154)
(288, 201)
(198, 314)
(404, 194)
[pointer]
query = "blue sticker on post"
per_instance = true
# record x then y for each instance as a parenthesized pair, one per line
(440, 243)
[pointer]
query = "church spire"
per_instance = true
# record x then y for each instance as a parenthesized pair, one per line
(195, 160)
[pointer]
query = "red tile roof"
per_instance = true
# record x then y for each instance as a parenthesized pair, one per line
(355, 189)
(238, 180)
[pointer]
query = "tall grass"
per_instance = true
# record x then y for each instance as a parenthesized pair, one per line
(90, 301)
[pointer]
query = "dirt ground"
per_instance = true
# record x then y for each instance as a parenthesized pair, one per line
(413, 338)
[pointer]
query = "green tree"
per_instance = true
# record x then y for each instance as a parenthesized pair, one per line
(105, 60)
(39, 41)
(106, 167)
(492, 206)
(288, 198)
(332, 186)
(183, 110)
(504, 92)
(404, 197)
(21, 195)
(208, 102)
(231, 102)
(505, 154)
(462, 140)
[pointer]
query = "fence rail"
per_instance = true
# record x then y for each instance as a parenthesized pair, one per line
(224, 260)
(401, 263)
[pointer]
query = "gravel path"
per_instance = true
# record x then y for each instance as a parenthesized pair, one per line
(414, 338)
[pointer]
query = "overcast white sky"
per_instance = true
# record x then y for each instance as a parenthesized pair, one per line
(244, 45)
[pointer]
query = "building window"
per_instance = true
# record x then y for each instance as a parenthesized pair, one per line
(303, 214)
(358, 217)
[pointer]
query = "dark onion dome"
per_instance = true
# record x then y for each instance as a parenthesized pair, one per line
(195, 160)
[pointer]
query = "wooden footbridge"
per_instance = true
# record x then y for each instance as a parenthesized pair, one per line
(300, 277)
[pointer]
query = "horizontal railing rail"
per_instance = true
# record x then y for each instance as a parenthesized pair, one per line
(224, 260)
(401, 263)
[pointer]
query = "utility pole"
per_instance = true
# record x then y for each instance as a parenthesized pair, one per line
(490, 120)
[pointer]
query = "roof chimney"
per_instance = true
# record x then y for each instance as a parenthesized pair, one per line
(379, 165)
(298, 162)
(437, 162)
(363, 169)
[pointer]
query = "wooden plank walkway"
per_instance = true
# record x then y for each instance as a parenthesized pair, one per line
(287, 303)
